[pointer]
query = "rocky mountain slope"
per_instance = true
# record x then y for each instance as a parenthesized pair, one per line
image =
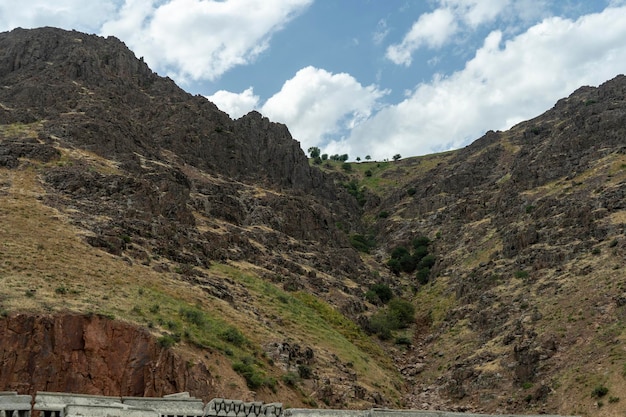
(524, 309)
(130, 207)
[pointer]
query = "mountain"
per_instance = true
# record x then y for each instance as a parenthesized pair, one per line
(142, 223)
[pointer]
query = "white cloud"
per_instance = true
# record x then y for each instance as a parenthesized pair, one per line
(502, 85)
(130, 21)
(186, 39)
(454, 20)
(381, 32)
(201, 39)
(236, 105)
(475, 12)
(431, 30)
(76, 14)
(317, 104)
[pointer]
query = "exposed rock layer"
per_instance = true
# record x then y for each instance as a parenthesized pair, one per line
(92, 355)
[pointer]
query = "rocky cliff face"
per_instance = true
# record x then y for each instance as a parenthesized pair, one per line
(92, 355)
(164, 181)
(526, 222)
(181, 170)
(95, 94)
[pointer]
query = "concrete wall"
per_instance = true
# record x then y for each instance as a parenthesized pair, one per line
(220, 407)
(118, 410)
(169, 406)
(13, 405)
(54, 404)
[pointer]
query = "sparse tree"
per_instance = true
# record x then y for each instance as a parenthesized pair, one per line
(314, 152)
(397, 156)
(367, 157)
(358, 159)
(324, 156)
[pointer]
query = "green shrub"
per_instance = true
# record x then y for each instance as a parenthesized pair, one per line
(290, 379)
(402, 312)
(427, 262)
(394, 265)
(403, 341)
(354, 190)
(381, 324)
(362, 243)
(404, 261)
(372, 297)
(521, 274)
(599, 391)
(168, 340)
(305, 371)
(245, 368)
(193, 315)
(419, 252)
(233, 336)
(423, 275)
(398, 314)
(399, 252)
(421, 241)
(381, 292)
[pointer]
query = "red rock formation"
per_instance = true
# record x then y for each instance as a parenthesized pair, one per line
(92, 355)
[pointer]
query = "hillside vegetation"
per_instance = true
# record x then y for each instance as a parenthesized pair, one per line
(489, 279)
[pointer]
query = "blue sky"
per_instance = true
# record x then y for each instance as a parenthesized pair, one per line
(363, 77)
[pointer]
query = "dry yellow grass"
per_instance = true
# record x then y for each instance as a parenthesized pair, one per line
(46, 266)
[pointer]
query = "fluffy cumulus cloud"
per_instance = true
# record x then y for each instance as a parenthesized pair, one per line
(455, 19)
(78, 14)
(186, 39)
(431, 30)
(235, 104)
(505, 83)
(317, 104)
(201, 39)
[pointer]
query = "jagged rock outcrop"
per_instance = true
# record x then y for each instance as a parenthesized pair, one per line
(177, 163)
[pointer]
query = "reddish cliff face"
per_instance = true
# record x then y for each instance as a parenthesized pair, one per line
(92, 355)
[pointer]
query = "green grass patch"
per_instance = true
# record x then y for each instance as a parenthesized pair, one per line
(181, 321)
(318, 323)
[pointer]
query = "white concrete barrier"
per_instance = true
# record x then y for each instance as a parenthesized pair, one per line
(171, 406)
(14, 405)
(220, 407)
(119, 410)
